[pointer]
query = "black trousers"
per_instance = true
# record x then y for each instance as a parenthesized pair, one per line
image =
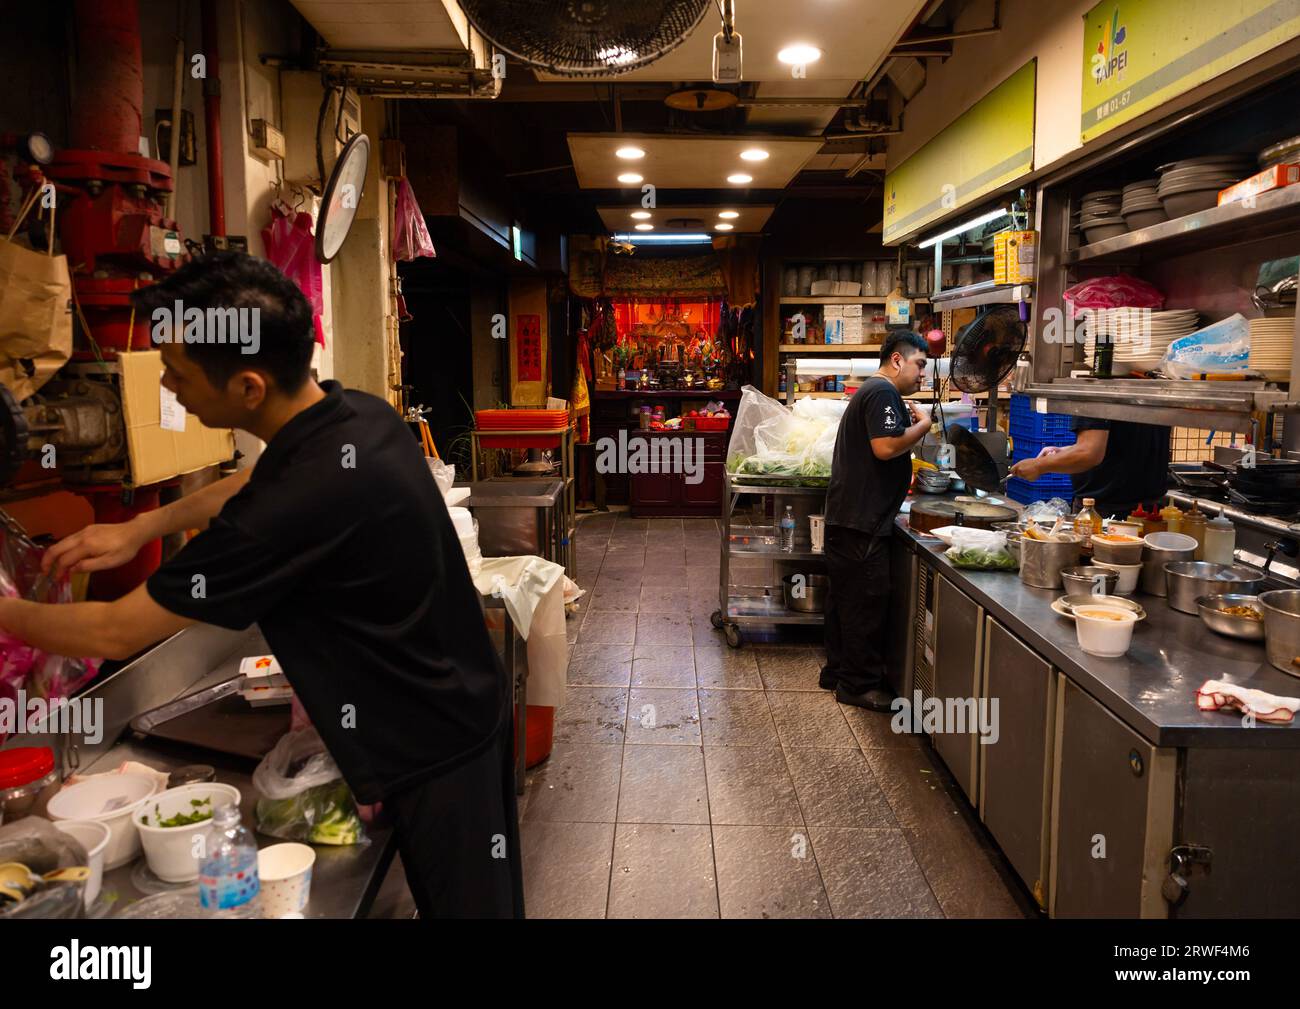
(458, 835)
(857, 608)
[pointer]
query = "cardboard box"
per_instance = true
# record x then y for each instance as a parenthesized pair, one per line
(157, 454)
(852, 331)
(1277, 177)
(1015, 257)
(851, 311)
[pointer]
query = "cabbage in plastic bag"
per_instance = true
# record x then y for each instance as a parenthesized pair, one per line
(303, 794)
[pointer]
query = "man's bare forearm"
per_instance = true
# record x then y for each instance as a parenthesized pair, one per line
(193, 511)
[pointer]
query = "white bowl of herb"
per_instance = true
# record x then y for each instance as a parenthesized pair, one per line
(172, 826)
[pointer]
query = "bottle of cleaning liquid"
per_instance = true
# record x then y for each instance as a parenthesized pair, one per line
(787, 530)
(229, 884)
(1220, 541)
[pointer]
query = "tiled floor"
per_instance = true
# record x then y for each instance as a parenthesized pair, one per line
(693, 780)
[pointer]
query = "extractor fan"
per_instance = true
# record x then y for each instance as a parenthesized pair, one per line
(585, 38)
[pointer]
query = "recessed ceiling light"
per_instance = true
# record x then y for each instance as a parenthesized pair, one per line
(728, 215)
(754, 154)
(799, 53)
(740, 178)
(723, 227)
(645, 227)
(629, 153)
(640, 215)
(630, 178)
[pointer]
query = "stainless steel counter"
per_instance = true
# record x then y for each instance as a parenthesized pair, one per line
(1152, 689)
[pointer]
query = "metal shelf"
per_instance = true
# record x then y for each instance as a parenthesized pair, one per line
(766, 610)
(984, 293)
(776, 489)
(1274, 213)
(830, 348)
(843, 299)
(774, 552)
(1226, 406)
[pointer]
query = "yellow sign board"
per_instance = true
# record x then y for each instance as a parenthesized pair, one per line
(983, 150)
(1138, 54)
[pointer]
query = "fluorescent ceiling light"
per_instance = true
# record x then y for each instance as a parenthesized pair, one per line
(629, 153)
(684, 238)
(983, 219)
(754, 154)
(723, 226)
(630, 178)
(645, 227)
(728, 215)
(640, 215)
(799, 53)
(740, 178)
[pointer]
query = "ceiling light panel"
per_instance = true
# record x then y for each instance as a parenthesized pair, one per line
(749, 219)
(688, 162)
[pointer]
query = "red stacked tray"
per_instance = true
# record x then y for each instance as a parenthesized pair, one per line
(521, 420)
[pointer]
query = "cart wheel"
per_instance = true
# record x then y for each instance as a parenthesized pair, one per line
(733, 635)
(715, 618)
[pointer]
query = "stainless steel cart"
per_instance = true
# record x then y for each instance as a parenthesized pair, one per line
(761, 604)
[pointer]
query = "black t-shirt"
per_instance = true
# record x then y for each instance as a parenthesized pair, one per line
(865, 492)
(1134, 470)
(341, 549)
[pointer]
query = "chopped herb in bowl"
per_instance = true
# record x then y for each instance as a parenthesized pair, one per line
(202, 810)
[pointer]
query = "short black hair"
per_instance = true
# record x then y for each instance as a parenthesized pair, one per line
(900, 340)
(225, 280)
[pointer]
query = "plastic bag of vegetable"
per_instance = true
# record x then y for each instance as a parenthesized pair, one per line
(981, 549)
(770, 439)
(303, 795)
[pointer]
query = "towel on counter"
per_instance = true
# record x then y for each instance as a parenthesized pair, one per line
(1219, 695)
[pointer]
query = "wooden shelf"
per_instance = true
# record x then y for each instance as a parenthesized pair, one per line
(830, 348)
(820, 395)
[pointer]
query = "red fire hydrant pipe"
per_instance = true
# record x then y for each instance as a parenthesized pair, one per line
(212, 119)
(110, 82)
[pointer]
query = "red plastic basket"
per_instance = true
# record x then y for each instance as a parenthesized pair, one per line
(521, 420)
(712, 423)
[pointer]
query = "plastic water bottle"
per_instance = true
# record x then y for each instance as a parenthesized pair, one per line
(228, 881)
(787, 530)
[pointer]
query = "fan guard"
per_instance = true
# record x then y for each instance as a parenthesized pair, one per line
(987, 349)
(585, 38)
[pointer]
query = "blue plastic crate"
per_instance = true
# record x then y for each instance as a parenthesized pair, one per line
(1025, 447)
(1053, 485)
(1048, 428)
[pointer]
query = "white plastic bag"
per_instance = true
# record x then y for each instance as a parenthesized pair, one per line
(980, 549)
(1223, 347)
(443, 474)
(772, 440)
(303, 794)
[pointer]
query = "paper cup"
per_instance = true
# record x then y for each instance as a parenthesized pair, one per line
(285, 873)
(817, 532)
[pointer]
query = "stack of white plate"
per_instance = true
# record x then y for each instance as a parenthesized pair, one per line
(1192, 185)
(1271, 345)
(1099, 215)
(1140, 205)
(1140, 336)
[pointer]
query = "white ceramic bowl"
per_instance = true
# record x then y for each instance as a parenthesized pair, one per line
(94, 837)
(285, 874)
(110, 799)
(1105, 631)
(172, 852)
(1128, 576)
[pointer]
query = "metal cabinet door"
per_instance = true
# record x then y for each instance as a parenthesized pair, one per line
(1016, 765)
(959, 648)
(1111, 788)
(900, 649)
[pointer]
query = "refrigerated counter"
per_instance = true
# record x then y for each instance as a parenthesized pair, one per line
(1109, 792)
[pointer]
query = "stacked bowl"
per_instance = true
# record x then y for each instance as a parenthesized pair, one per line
(1140, 205)
(1099, 215)
(1189, 186)
(1140, 335)
(1287, 152)
(1270, 347)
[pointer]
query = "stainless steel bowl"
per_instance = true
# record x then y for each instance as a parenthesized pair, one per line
(1213, 617)
(1083, 580)
(1187, 581)
(810, 598)
(1282, 628)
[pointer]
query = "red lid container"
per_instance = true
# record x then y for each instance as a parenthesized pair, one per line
(24, 764)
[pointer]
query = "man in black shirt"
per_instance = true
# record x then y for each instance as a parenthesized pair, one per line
(870, 473)
(1118, 463)
(338, 544)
